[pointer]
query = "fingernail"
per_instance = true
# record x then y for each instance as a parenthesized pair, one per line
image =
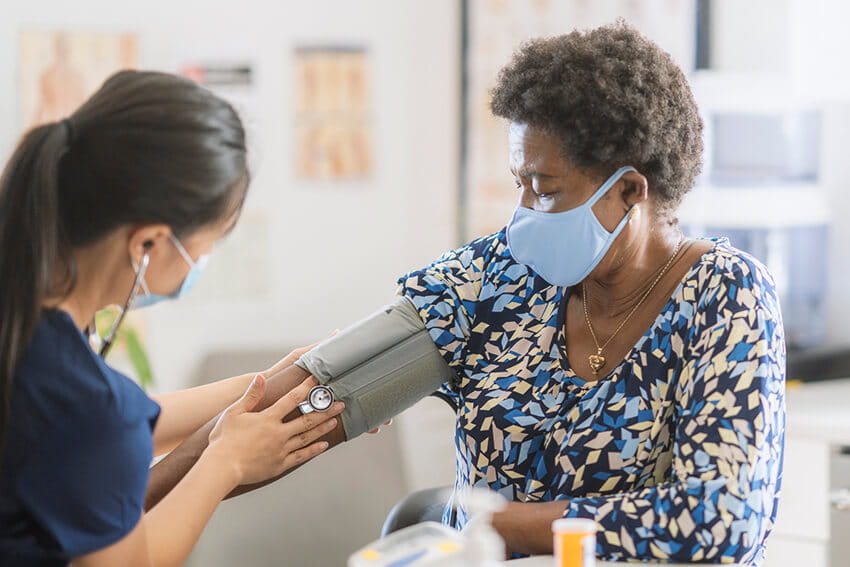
(323, 445)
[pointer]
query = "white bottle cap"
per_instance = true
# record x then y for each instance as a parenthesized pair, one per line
(574, 526)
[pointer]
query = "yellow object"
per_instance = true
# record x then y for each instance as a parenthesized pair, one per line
(575, 542)
(370, 554)
(448, 546)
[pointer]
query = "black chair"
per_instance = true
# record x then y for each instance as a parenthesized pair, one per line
(422, 506)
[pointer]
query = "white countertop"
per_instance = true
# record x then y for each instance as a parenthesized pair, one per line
(820, 410)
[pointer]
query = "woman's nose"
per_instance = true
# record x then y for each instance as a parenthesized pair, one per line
(526, 195)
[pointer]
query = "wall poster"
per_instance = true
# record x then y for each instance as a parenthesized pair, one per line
(333, 137)
(60, 69)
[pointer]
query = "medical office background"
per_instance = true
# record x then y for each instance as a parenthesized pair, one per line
(372, 152)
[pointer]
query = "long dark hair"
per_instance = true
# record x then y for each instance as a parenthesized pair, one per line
(145, 148)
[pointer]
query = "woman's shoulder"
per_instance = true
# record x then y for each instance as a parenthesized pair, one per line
(472, 261)
(481, 252)
(59, 375)
(732, 274)
(65, 398)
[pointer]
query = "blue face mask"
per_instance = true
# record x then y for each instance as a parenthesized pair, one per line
(563, 247)
(195, 269)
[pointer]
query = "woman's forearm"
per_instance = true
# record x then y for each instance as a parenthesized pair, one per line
(165, 475)
(184, 412)
(526, 527)
(174, 525)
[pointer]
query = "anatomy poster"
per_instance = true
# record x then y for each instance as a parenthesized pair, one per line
(61, 69)
(332, 113)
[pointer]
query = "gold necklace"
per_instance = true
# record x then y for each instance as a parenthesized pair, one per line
(597, 361)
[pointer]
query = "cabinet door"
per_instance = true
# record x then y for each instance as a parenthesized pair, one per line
(839, 519)
(804, 504)
(790, 552)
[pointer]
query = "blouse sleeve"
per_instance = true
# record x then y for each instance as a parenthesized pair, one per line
(85, 481)
(445, 293)
(721, 502)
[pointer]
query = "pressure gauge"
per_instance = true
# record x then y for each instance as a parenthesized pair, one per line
(320, 398)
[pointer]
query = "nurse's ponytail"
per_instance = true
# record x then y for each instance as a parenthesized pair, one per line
(147, 147)
(32, 246)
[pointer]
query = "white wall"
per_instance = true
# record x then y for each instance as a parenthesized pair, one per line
(818, 67)
(749, 36)
(786, 54)
(332, 252)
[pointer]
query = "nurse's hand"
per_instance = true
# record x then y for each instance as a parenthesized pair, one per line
(259, 445)
(290, 358)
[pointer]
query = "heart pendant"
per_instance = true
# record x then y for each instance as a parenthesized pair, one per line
(596, 361)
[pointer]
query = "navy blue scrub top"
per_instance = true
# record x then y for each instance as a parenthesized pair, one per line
(79, 445)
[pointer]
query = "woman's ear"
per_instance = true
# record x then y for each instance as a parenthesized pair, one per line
(150, 238)
(634, 188)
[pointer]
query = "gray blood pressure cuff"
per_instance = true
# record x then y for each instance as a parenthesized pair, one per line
(379, 366)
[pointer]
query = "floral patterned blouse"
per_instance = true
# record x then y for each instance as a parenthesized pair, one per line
(676, 454)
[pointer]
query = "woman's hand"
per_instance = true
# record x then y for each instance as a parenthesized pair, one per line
(378, 429)
(259, 445)
(526, 527)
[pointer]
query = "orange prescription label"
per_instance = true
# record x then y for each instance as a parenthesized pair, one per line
(575, 542)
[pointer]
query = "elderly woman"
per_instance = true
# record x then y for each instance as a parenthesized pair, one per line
(606, 366)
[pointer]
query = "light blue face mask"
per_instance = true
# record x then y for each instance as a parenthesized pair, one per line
(147, 298)
(563, 247)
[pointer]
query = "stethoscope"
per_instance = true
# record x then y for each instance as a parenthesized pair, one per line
(105, 344)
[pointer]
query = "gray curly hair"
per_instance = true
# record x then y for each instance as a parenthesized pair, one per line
(613, 98)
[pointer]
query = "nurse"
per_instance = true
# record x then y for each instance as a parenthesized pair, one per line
(121, 203)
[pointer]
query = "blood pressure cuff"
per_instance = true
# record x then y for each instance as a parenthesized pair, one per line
(379, 366)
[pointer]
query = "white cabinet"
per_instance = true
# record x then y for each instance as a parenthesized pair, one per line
(802, 527)
(808, 532)
(790, 552)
